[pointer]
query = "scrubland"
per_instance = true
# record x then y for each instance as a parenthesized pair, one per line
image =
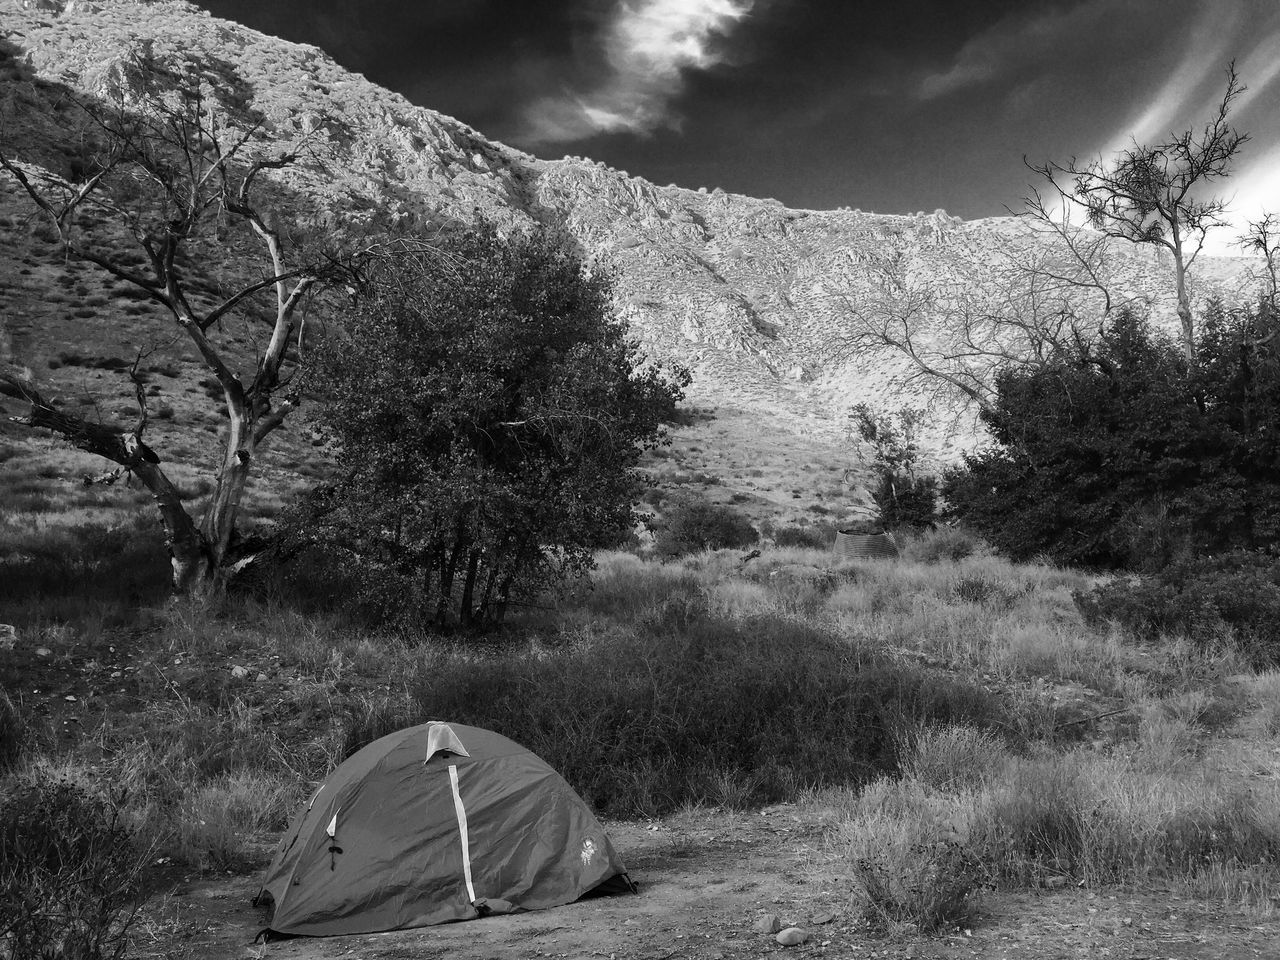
(962, 727)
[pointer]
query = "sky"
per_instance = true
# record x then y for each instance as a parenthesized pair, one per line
(887, 107)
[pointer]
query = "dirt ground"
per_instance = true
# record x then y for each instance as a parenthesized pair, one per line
(705, 877)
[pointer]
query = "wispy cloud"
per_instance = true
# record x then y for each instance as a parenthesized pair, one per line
(648, 46)
(1249, 32)
(1015, 41)
(1210, 36)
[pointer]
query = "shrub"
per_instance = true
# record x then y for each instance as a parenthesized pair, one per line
(1202, 599)
(906, 501)
(215, 818)
(950, 757)
(1120, 453)
(700, 525)
(942, 543)
(647, 720)
(910, 857)
(813, 538)
(70, 873)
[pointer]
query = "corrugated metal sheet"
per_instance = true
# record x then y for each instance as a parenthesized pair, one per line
(865, 546)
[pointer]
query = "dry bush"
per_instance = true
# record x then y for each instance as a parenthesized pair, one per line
(909, 852)
(950, 757)
(1092, 817)
(70, 872)
(215, 821)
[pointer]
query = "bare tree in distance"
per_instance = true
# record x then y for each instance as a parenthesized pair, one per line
(170, 174)
(1263, 239)
(1049, 291)
(1153, 194)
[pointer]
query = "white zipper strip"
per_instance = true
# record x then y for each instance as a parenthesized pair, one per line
(461, 811)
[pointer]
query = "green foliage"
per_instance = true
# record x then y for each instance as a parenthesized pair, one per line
(906, 501)
(644, 722)
(698, 525)
(70, 875)
(1204, 599)
(489, 413)
(902, 498)
(1120, 453)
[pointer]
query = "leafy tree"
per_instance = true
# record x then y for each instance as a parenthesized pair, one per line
(1124, 453)
(1154, 194)
(168, 177)
(488, 414)
(889, 440)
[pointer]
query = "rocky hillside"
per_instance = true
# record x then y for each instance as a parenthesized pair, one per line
(751, 295)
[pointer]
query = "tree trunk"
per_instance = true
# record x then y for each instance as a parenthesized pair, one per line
(218, 526)
(188, 552)
(466, 613)
(1184, 302)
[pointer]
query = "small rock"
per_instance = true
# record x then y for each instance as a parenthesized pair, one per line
(261, 677)
(769, 923)
(823, 918)
(792, 937)
(43, 652)
(69, 698)
(239, 672)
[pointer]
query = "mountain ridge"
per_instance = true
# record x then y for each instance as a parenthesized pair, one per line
(751, 295)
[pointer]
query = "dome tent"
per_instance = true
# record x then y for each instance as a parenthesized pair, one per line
(435, 823)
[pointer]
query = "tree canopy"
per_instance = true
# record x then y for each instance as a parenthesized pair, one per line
(1124, 453)
(488, 413)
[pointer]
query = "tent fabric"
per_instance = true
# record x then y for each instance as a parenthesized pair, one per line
(411, 831)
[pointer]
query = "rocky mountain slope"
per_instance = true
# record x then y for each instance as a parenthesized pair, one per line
(751, 295)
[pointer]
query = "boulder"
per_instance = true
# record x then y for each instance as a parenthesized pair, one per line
(792, 937)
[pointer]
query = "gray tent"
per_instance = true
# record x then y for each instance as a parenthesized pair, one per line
(435, 823)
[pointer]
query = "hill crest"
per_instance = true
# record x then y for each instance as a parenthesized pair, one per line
(748, 293)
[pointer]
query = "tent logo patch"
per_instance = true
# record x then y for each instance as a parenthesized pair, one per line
(588, 850)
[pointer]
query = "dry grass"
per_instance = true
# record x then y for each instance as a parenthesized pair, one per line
(1182, 789)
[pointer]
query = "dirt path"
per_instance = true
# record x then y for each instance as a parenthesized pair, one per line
(705, 878)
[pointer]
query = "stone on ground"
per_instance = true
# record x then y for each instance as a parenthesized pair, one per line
(791, 937)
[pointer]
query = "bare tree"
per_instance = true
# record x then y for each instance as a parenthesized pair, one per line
(959, 326)
(1153, 194)
(181, 182)
(1263, 238)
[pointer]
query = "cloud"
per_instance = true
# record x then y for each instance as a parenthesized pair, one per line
(1249, 32)
(1205, 57)
(648, 46)
(1018, 40)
